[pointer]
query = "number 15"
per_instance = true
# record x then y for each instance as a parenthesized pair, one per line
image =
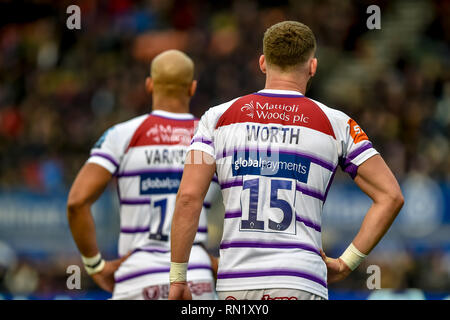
(252, 223)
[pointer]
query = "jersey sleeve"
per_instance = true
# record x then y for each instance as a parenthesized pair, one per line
(356, 147)
(106, 151)
(203, 139)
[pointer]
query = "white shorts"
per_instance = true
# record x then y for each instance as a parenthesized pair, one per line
(145, 275)
(268, 294)
(200, 290)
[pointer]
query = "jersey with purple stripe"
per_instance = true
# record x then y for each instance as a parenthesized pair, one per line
(276, 155)
(147, 154)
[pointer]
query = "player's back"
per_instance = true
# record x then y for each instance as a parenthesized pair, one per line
(147, 156)
(276, 154)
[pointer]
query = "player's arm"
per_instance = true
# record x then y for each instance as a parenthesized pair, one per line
(376, 180)
(86, 189)
(197, 174)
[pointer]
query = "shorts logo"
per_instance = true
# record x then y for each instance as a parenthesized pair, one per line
(155, 292)
(268, 297)
(249, 108)
(162, 291)
(199, 288)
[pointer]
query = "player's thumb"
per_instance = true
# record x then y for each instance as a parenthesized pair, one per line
(116, 263)
(323, 255)
(125, 257)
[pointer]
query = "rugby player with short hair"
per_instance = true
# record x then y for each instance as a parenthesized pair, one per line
(146, 155)
(276, 153)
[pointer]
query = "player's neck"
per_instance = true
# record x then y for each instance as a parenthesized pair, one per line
(170, 104)
(286, 83)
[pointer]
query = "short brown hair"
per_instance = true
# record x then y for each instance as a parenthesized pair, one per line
(288, 43)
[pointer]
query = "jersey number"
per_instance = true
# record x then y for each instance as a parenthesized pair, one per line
(162, 204)
(252, 223)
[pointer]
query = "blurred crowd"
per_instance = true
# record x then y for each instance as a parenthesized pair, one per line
(60, 89)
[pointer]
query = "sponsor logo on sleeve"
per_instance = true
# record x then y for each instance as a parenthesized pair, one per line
(356, 132)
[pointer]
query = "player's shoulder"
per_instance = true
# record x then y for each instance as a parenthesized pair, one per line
(221, 108)
(130, 125)
(332, 114)
(120, 132)
(213, 114)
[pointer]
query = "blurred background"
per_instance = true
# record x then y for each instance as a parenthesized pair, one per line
(60, 89)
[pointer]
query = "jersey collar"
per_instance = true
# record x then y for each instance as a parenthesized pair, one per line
(172, 115)
(279, 93)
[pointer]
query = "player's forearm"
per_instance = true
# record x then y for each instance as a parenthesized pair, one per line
(82, 226)
(377, 222)
(86, 189)
(184, 226)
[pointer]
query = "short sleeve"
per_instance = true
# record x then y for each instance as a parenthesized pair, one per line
(356, 148)
(203, 139)
(106, 152)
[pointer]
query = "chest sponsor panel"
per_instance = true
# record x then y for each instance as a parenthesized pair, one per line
(164, 182)
(263, 162)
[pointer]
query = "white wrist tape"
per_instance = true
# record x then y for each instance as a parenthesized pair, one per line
(178, 272)
(352, 257)
(93, 264)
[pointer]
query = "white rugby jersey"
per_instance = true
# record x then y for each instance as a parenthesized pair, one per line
(276, 153)
(147, 156)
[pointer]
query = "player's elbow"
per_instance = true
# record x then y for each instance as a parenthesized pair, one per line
(188, 199)
(76, 202)
(394, 199)
(398, 200)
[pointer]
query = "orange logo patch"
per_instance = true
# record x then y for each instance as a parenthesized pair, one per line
(356, 132)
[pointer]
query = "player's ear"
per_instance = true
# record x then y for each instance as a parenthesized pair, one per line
(192, 88)
(149, 84)
(262, 64)
(313, 67)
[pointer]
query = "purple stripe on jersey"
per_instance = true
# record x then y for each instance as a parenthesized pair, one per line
(352, 170)
(134, 230)
(268, 245)
(308, 223)
(155, 249)
(310, 192)
(271, 272)
(151, 250)
(139, 172)
(358, 151)
(279, 95)
(156, 270)
(346, 163)
(202, 229)
(135, 201)
(215, 179)
(207, 205)
(202, 140)
(323, 163)
(237, 182)
(313, 159)
(146, 229)
(233, 214)
(105, 156)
